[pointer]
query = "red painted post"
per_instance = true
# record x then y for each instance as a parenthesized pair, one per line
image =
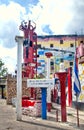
(62, 78)
(69, 88)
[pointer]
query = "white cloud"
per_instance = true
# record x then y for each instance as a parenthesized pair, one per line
(56, 13)
(11, 16)
(12, 11)
(9, 57)
(10, 19)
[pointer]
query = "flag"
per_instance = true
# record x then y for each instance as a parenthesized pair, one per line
(77, 86)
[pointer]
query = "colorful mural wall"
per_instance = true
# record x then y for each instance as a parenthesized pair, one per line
(59, 43)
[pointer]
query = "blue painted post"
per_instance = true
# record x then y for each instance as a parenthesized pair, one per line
(44, 103)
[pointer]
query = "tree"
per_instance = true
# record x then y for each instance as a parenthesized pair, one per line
(3, 69)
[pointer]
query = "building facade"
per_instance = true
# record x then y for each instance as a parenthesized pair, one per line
(63, 48)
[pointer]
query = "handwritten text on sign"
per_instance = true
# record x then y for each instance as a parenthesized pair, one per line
(42, 83)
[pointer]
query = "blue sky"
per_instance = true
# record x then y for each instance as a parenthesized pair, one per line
(52, 17)
(21, 2)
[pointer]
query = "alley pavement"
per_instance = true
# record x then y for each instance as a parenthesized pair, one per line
(8, 119)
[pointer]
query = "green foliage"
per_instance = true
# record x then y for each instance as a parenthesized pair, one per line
(3, 69)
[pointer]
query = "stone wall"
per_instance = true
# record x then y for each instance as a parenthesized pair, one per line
(11, 88)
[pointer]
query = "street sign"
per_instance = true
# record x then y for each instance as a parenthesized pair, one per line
(41, 83)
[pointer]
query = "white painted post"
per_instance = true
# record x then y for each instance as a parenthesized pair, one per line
(49, 88)
(19, 41)
(48, 77)
(48, 55)
(48, 68)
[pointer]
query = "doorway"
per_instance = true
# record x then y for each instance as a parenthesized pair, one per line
(2, 92)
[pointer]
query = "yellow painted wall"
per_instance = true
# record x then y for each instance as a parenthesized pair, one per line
(45, 42)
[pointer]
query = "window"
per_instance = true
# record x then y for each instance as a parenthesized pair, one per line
(51, 63)
(26, 52)
(26, 42)
(71, 63)
(30, 43)
(61, 41)
(71, 45)
(39, 46)
(70, 54)
(81, 41)
(51, 45)
(61, 60)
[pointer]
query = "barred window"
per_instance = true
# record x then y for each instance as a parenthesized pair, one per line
(71, 63)
(51, 45)
(71, 45)
(39, 46)
(61, 41)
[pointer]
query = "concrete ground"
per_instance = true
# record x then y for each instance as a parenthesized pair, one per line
(8, 119)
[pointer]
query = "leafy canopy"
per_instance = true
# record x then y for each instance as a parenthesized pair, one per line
(3, 69)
